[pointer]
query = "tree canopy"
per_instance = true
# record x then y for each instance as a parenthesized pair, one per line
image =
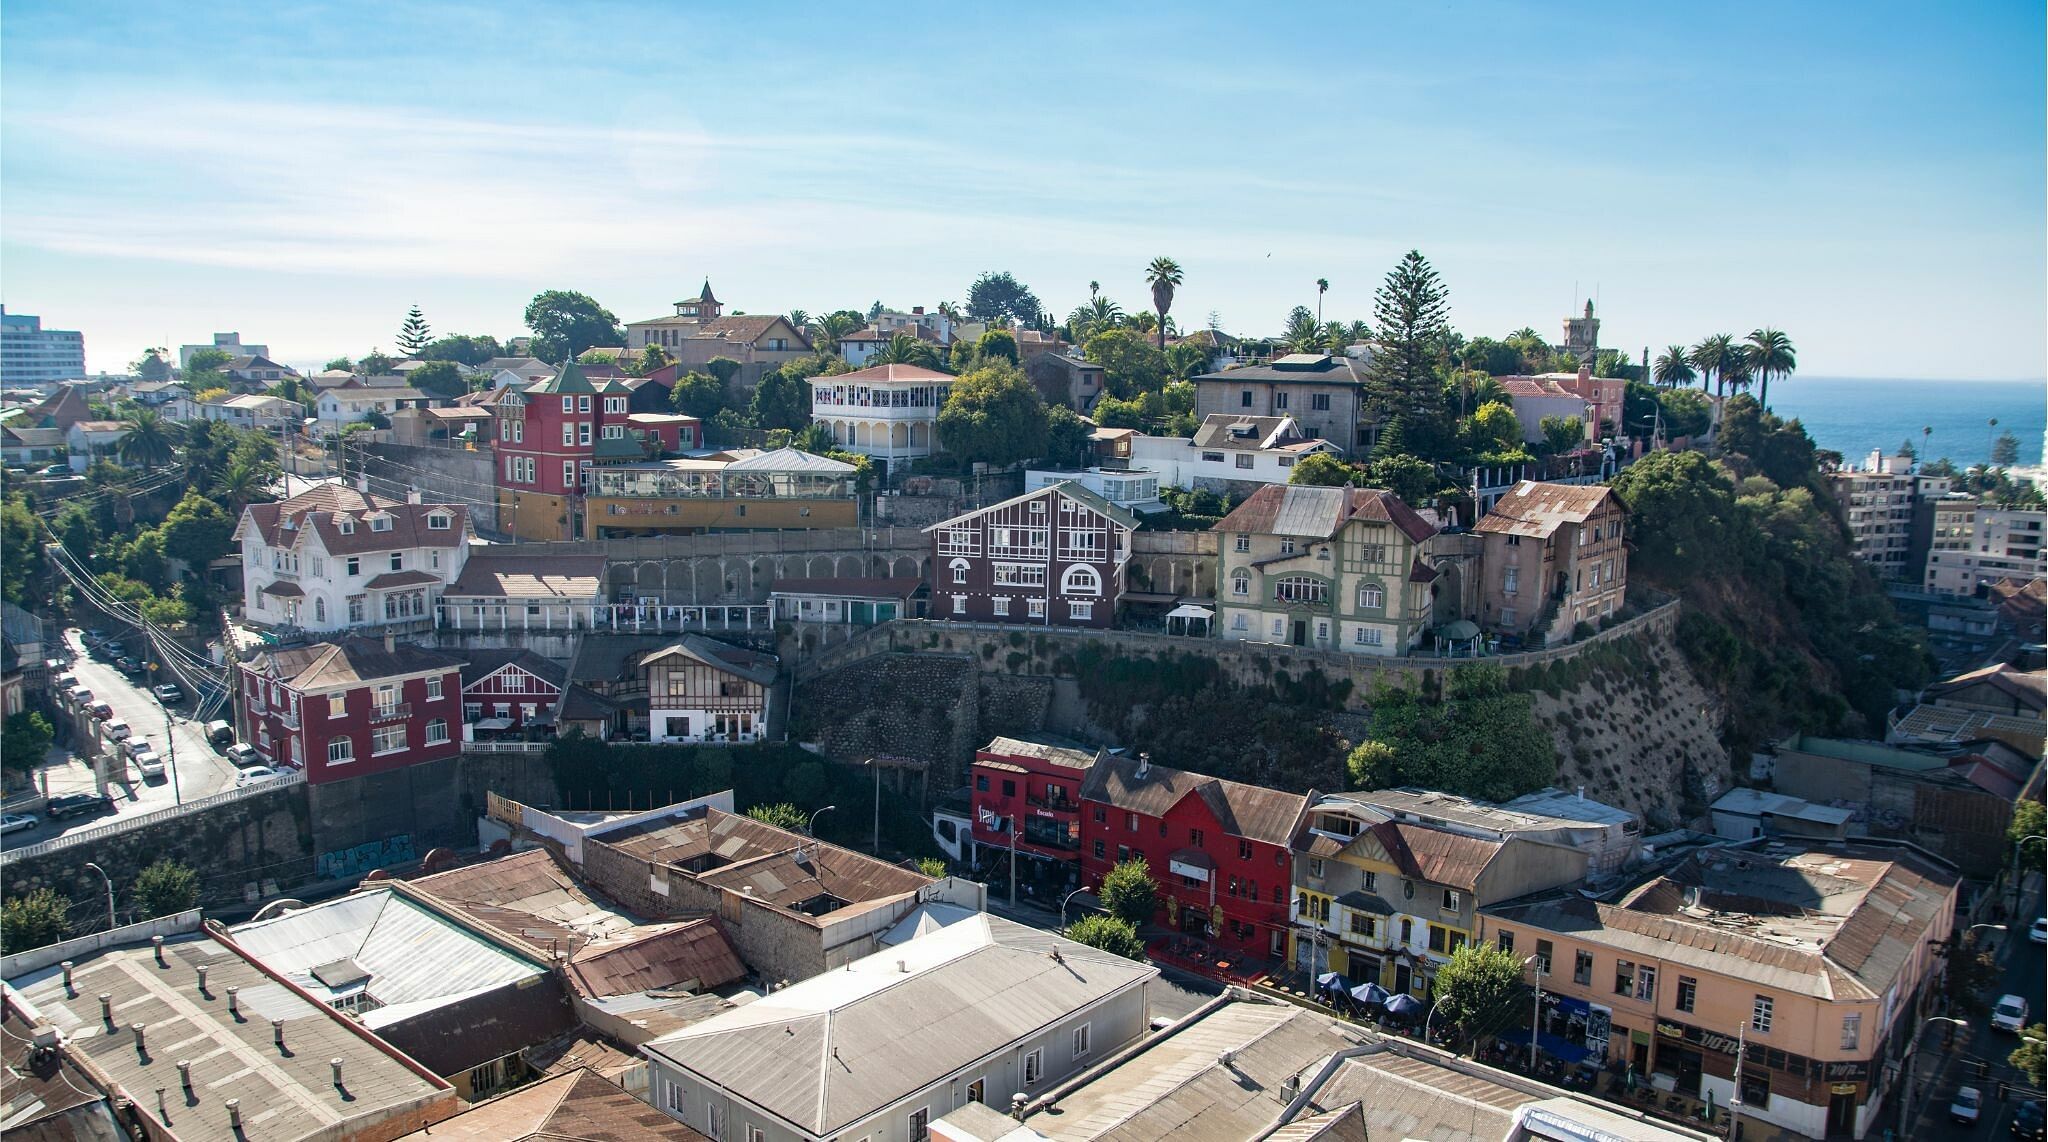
(997, 295)
(994, 416)
(1109, 933)
(33, 919)
(414, 335)
(1130, 364)
(439, 379)
(1411, 315)
(1321, 470)
(165, 889)
(1128, 893)
(1481, 740)
(1479, 989)
(565, 323)
(461, 348)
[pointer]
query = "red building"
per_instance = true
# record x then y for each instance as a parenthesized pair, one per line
(549, 435)
(347, 708)
(1219, 851)
(1053, 557)
(1029, 792)
(510, 689)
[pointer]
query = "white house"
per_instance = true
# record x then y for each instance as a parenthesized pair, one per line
(701, 690)
(890, 412)
(1134, 489)
(355, 400)
(1228, 449)
(333, 558)
(254, 410)
(89, 440)
(974, 1011)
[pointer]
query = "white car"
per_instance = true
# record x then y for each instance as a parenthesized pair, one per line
(1966, 1106)
(255, 774)
(2009, 1013)
(2038, 931)
(244, 755)
(117, 730)
(147, 759)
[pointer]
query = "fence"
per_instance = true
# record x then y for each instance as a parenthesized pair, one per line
(125, 824)
(627, 617)
(504, 747)
(913, 634)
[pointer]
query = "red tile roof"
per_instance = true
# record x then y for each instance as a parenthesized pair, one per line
(888, 373)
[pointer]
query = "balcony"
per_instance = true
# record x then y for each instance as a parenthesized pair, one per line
(288, 720)
(392, 713)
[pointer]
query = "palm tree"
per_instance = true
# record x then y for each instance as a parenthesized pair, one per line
(1737, 373)
(1322, 287)
(148, 442)
(1712, 357)
(1672, 369)
(833, 326)
(1303, 334)
(800, 319)
(1163, 275)
(1358, 333)
(1142, 322)
(1769, 353)
(1097, 314)
(1094, 287)
(241, 481)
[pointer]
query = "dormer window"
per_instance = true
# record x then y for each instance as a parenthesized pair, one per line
(380, 523)
(347, 525)
(438, 521)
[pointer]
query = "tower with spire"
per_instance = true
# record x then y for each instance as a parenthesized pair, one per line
(704, 307)
(1582, 335)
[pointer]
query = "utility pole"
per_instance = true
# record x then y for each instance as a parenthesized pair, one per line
(170, 741)
(1536, 1011)
(1735, 1103)
(1013, 863)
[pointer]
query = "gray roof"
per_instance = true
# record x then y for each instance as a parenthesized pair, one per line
(1296, 368)
(970, 989)
(791, 460)
(1067, 488)
(282, 1096)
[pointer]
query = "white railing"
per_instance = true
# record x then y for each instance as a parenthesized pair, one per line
(124, 824)
(505, 747)
(659, 619)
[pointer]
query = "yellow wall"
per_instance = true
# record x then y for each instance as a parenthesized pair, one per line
(532, 515)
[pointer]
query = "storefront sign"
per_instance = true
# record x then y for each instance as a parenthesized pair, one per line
(1848, 1073)
(1842, 1088)
(1190, 871)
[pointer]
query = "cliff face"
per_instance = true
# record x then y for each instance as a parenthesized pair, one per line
(1644, 738)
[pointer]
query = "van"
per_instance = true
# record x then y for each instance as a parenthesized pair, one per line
(219, 733)
(80, 695)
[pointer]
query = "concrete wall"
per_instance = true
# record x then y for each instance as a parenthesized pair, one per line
(440, 474)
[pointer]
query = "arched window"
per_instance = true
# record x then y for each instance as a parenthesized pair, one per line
(319, 610)
(959, 567)
(1371, 596)
(1301, 589)
(1081, 581)
(1240, 582)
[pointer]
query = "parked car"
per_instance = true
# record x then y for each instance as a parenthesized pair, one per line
(219, 733)
(101, 710)
(2009, 1013)
(2038, 930)
(77, 805)
(244, 755)
(168, 693)
(66, 681)
(95, 635)
(117, 730)
(115, 649)
(128, 666)
(2027, 1121)
(18, 822)
(147, 760)
(255, 774)
(1966, 1106)
(79, 695)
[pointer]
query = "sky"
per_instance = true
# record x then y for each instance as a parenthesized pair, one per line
(1867, 177)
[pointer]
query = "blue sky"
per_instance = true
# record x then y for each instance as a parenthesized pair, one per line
(1867, 177)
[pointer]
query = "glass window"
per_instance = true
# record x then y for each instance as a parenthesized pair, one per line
(1081, 1040)
(337, 705)
(1240, 582)
(437, 731)
(1688, 992)
(387, 739)
(1582, 967)
(1624, 977)
(434, 687)
(1646, 983)
(1760, 1014)
(1034, 1067)
(341, 749)
(1852, 1030)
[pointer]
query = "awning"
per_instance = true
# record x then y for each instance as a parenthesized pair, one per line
(1190, 611)
(285, 588)
(1570, 1006)
(1458, 631)
(1556, 1046)
(1149, 598)
(494, 724)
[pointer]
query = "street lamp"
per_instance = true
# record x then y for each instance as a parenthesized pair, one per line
(875, 764)
(1911, 1073)
(111, 925)
(1063, 903)
(1535, 1008)
(811, 826)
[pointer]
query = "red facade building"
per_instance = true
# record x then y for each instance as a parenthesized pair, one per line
(353, 707)
(1029, 792)
(1218, 850)
(1053, 557)
(510, 689)
(550, 433)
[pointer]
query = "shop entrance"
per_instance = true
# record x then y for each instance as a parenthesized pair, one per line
(1683, 1065)
(1842, 1113)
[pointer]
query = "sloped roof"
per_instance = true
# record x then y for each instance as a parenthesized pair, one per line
(1297, 368)
(1070, 756)
(323, 507)
(2025, 687)
(791, 460)
(694, 953)
(394, 579)
(834, 1049)
(1534, 387)
(886, 373)
(1537, 509)
(1251, 811)
(348, 662)
(573, 1105)
(1068, 488)
(1435, 855)
(567, 379)
(1319, 513)
(755, 855)
(752, 665)
(484, 662)
(489, 574)
(1247, 433)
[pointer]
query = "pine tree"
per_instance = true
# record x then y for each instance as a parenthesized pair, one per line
(1411, 314)
(415, 335)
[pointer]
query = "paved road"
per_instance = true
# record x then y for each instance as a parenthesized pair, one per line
(201, 771)
(2021, 973)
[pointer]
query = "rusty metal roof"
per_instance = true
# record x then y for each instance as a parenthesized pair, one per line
(1537, 509)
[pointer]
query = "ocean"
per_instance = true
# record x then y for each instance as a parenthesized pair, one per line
(1854, 415)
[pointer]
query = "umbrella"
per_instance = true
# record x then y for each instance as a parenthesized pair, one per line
(1370, 993)
(1404, 1004)
(1329, 980)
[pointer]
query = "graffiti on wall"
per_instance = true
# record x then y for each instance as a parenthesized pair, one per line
(365, 858)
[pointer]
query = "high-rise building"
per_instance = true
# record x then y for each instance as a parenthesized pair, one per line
(31, 355)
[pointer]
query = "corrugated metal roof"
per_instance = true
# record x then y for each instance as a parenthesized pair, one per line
(838, 1047)
(791, 460)
(573, 1105)
(1537, 509)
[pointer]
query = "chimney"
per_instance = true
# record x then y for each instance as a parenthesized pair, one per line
(917, 311)
(158, 943)
(106, 1008)
(903, 966)
(235, 1114)
(413, 496)
(390, 641)
(277, 1032)
(185, 1073)
(233, 1008)
(363, 484)
(1017, 1102)
(1144, 765)
(141, 1045)
(68, 989)
(336, 1064)
(202, 979)
(1582, 793)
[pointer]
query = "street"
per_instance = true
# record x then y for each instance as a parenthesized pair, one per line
(2021, 973)
(200, 770)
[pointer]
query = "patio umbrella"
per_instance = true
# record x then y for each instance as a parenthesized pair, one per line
(1404, 1004)
(1370, 993)
(1329, 979)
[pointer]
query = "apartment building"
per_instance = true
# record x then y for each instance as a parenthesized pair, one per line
(889, 412)
(1325, 392)
(1877, 502)
(1810, 963)
(1974, 544)
(34, 357)
(352, 707)
(1051, 557)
